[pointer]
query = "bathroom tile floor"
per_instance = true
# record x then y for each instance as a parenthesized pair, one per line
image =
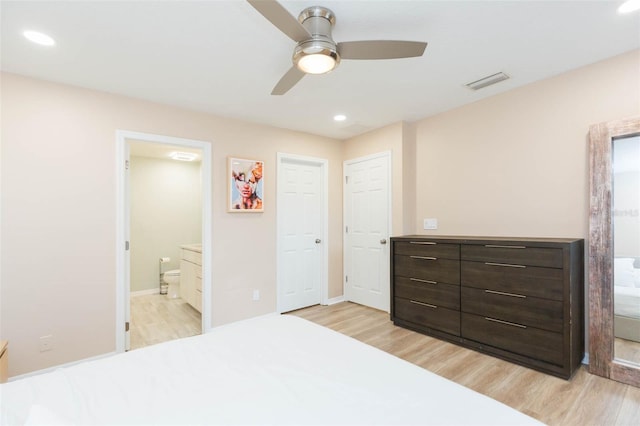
(155, 318)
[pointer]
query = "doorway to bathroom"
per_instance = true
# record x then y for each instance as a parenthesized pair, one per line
(164, 225)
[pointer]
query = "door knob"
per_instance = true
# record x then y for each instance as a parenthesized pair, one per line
(318, 240)
(383, 241)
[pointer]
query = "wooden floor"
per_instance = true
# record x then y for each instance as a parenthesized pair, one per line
(584, 400)
(155, 318)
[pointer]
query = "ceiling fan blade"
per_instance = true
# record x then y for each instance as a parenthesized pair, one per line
(381, 49)
(290, 79)
(281, 18)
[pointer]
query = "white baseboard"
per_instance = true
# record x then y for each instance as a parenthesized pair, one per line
(335, 300)
(145, 292)
(55, 367)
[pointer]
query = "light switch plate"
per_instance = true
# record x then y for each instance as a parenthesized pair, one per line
(431, 223)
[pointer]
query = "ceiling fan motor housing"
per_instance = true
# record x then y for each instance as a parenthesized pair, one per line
(318, 21)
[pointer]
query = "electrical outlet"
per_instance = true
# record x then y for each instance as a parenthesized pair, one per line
(46, 343)
(431, 224)
(256, 294)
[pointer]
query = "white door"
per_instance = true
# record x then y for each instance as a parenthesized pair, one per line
(367, 213)
(127, 255)
(301, 232)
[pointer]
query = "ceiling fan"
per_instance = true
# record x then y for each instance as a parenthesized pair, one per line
(316, 52)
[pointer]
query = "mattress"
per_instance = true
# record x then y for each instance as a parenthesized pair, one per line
(273, 369)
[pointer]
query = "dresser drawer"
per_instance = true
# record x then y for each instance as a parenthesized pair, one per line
(513, 254)
(428, 268)
(439, 294)
(528, 341)
(545, 283)
(427, 248)
(516, 308)
(435, 317)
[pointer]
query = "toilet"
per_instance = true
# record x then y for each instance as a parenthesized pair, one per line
(173, 279)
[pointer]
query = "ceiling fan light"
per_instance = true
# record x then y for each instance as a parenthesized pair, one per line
(317, 63)
(316, 56)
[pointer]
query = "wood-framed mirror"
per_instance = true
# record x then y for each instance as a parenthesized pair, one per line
(614, 250)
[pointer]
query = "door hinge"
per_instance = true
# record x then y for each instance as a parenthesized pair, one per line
(126, 326)
(346, 278)
(346, 229)
(126, 164)
(346, 179)
(126, 245)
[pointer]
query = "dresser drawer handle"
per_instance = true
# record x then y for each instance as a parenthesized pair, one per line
(502, 293)
(424, 304)
(499, 246)
(424, 281)
(513, 324)
(424, 243)
(424, 257)
(506, 265)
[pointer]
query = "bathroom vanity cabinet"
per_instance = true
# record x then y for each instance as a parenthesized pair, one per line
(191, 275)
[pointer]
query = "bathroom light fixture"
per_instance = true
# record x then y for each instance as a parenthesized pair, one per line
(183, 156)
(39, 38)
(339, 117)
(629, 6)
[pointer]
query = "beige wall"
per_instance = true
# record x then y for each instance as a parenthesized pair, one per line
(59, 214)
(166, 212)
(516, 164)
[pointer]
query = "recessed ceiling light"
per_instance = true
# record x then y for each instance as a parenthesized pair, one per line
(339, 117)
(183, 156)
(629, 6)
(39, 38)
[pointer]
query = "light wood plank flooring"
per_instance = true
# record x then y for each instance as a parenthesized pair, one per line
(155, 318)
(584, 400)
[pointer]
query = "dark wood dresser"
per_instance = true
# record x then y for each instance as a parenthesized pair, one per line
(520, 299)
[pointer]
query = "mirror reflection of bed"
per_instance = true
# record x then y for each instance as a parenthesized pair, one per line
(626, 232)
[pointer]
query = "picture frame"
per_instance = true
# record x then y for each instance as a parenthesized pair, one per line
(245, 185)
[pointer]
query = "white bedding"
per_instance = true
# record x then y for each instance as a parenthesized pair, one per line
(626, 288)
(627, 301)
(268, 370)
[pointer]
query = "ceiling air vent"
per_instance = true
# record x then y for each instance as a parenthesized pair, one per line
(487, 81)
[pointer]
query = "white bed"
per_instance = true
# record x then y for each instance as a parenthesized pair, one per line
(273, 369)
(626, 290)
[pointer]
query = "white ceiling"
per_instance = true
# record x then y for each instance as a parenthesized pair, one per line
(224, 58)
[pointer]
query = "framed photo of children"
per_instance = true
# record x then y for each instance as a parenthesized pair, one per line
(246, 185)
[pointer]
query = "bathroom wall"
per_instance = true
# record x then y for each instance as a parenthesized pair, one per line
(166, 211)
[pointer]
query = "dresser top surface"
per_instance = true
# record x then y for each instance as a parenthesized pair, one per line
(464, 239)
